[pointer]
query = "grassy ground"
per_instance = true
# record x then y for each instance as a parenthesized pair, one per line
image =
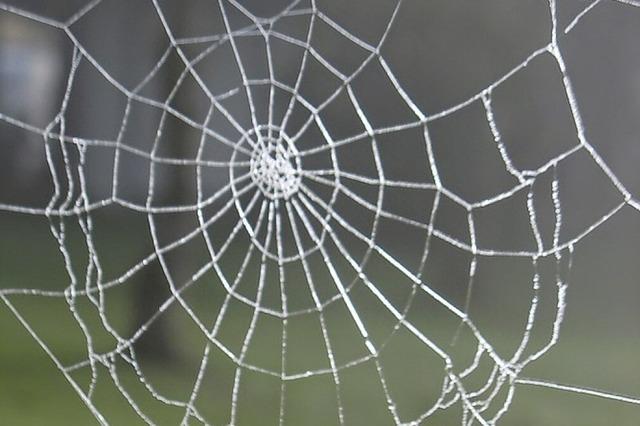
(34, 392)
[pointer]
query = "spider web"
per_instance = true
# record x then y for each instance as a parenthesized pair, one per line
(308, 214)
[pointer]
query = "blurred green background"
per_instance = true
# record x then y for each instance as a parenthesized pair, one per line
(596, 349)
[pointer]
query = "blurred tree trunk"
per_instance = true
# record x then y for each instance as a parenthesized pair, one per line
(156, 344)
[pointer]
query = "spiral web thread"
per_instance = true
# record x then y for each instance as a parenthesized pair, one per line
(267, 169)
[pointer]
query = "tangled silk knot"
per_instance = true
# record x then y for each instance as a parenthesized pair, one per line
(275, 169)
